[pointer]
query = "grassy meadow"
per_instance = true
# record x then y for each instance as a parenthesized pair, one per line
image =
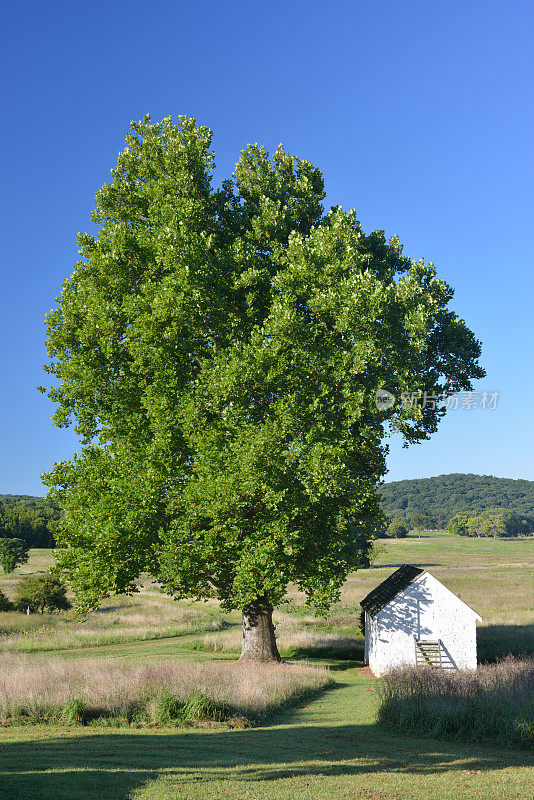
(314, 722)
(119, 693)
(494, 702)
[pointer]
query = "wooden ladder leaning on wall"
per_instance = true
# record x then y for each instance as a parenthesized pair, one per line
(428, 654)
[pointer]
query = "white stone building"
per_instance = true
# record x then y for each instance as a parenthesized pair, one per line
(413, 619)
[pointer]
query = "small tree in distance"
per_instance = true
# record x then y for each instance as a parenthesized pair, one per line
(40, 593)
(420, 521)
(5, 603)
(220, 352)
(397, 529)
(13, 552)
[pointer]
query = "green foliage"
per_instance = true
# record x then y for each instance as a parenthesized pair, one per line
(73, 712)
(434, 501)
(458, 524)
(5, 602)
(45, 592)
(397, 529)
(31, 519)
(156, 708)
(219, 352)
(166, 709)
(496, 522)
(12, 553)
(420, 521)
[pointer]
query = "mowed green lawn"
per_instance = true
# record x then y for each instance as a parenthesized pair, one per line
(330, 747)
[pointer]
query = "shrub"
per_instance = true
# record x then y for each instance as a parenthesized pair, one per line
(12, 553)
(397, 529)
(5, 603)
(495, 702)
(41, 592)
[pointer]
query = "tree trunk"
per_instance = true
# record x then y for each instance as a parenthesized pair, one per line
(259, 641)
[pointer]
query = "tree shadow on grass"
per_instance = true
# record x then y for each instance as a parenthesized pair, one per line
(97, 766)
(413, 563)
(332, 663)
(339, 650)
(340, 666)
(495, 642)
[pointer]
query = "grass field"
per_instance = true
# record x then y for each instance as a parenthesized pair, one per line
(328, 747)
(147, 615)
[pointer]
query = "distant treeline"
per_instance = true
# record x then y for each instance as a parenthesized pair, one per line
(31, 519)
(433, 502)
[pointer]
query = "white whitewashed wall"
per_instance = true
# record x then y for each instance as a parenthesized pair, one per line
(424, 610)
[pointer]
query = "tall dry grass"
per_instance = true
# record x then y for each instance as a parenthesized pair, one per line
(119, 620)
(52, 690)
(495, 702)
(293, 637)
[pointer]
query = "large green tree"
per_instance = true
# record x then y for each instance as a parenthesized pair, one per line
(220, 351)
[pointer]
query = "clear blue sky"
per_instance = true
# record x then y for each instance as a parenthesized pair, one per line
(419, 114)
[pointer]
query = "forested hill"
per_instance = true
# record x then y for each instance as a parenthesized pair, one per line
(431, 502)
(33, 519)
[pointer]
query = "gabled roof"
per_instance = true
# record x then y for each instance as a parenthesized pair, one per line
(390, 588)
(396, 583)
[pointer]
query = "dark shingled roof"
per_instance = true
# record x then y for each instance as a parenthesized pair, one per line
(390, 588)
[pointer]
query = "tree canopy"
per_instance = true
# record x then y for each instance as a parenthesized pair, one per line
(41, 592)
(396, 529)
(5, 602)
(495, 522)
(12, 553)
(219, 351)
